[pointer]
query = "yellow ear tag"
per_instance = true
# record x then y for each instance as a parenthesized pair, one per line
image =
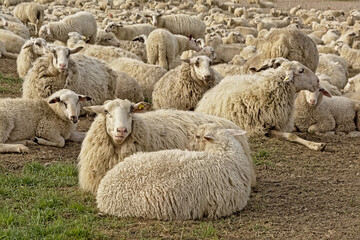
(84, 38)
(287, 78)
(141, 107)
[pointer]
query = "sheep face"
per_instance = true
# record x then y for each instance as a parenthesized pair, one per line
(45, 32)
(38, 45)
(338, 46)
(302, 77)
(111, 27)
(314, 98)
(119, 117)
(201, 66)
(76, 37)
(61, 56)
(68, 104)
(109, 41)
(350, 86)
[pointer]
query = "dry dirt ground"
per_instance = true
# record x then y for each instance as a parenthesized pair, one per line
(301, 194)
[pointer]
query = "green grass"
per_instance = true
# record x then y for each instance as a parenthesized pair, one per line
(10, 84)
(260, 158)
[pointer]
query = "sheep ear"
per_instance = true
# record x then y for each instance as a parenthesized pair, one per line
(47, 29)
(83, 98)
(75, 50)
(325, 93)
(234, 132)
(54, 100)
(141, 107)
(190, 37)
(28, 44)
(118, 24)
(99, 109)
(209, 137)
(187, 60)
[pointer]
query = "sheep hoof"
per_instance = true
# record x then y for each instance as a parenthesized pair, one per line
(318, 146)
(36, 140)
(23, 149)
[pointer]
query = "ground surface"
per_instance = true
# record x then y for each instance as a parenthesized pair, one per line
(301, 194)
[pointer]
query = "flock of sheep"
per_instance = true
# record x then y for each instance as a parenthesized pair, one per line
(214, 72)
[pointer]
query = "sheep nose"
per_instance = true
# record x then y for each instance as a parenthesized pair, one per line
(62, 65)
(207, 77)
(122, 130)
(312, 101)
(74, 119)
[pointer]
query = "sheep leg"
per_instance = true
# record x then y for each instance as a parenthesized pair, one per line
(13, 148)
(77, 136)
(24, 142)
(58, 142)
(293, 138)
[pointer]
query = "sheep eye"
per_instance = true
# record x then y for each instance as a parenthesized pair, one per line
(106, 111)
(301, 70)
(197, 137)
(197, 63)
(64, 104)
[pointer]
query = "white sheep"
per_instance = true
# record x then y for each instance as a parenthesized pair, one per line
(129, 32)
(82, 22)
(234, 37)
(270, 23)
(205, 51)
(79, 73)
(353, 84)
(106, 38)
(330, 35)
(30, 13)
(211, 181)
(45, 121)
(335, 67)
(145, 74)
(185, 84)
(226, 69)
(316, 114)
(162, 47)
(262, 103)
(30, 51)
(352, 56)
(180, 24)
(15, 27)
(120, 130)
(4, 53)
(12, 42)
(9, 3)
(224, 52)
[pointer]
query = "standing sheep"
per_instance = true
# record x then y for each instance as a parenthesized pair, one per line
(48, 122)
(185, 84)
(82, 22)
(162, 47)
(262, 103)
(30, 13)
(120, 130)
(211, 181)
(129, 32)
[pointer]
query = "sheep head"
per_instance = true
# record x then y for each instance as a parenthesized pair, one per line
(201, 68)
(301, 76)
(61, 56)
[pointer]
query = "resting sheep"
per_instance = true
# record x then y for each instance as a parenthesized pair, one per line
(185, 84)
(183, 189)
(352, 56)
(262, 103)
(47, 121)
(12, 42)
(353, 84)
(4, 53)
(224, 52)
(120, 130)
(335, 67)
(18, 28)
(129, 32)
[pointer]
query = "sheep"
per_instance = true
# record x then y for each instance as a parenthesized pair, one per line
(129, 32)
(224, 52)
(17, 28)
(349, 38)
(4, 53)
(206, 51)
(105, 53)
(353, 84)
(106, 38)
(247, 31)
(324, 81)
(268, 24)
(145, 74)
(233, 37)
(9, 3)
(123, 128)
(180, 24)
(330, 35)
(48, 121)
(162, 47)
(288, 43)
(30, 13)
(135, 47)
(185, 84)
(82, 22)
(351, 56)
(335, 67)
(316, 114)
(262, 103)
(215, 152)
(30, 51)
(141, 38)
(228, 69)
(12, 42)
(79, 73)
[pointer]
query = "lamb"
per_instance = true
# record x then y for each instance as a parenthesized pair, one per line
(129, 32)
(335, 67)
(105, 53)
(30, 13)
(47, 121)
(30, 51)
(224, 52)
(262, 103)
(162, 47)
(352, 56)
(215, 152)
(57, 70)
(145, 74)
(316, 114)
(12, 42)
(353, 84)
(17, 28)
(82, 22)
(4, 53)
(185, 84)
(180, 24)
(120, 129)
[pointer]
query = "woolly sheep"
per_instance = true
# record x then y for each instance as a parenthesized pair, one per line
(48, 122)
(162, 47)
(79, 73)
(30, 51)
(353, 84)
(12, 42)
(234, 37)
(324, 81)
(352, 56)
(181, 24)
(9, 3)
(215, 152)
(269, 23)
(129, 32)
(106, 38)
(141, 38)
(224, 52)
(30, 13)
(330, 35)
(17, 28)
(262, 103)
(82, 22)
(316, 114)
(4, 53)
(185, 84)
(119, 131)
(226, 69)
(206, 51)
(145, 74)
(335, 67)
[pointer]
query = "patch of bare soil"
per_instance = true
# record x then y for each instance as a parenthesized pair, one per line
(7, 67)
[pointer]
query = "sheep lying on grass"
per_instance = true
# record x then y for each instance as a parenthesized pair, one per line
(48, 122)
(120, 130)
(262, 103)
(211, 181)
